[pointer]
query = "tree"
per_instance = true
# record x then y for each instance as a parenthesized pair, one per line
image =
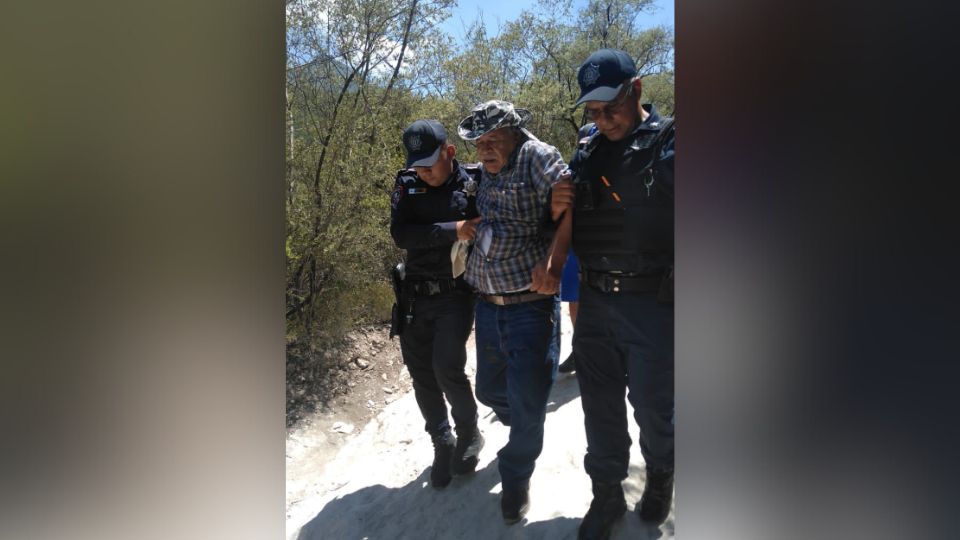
(359, 71)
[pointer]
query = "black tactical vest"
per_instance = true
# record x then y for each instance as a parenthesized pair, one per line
(623, 216)
(416, 210)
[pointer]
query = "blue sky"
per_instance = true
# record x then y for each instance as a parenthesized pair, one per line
(506, 10)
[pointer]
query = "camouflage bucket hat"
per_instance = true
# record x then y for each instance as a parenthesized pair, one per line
(491, 115)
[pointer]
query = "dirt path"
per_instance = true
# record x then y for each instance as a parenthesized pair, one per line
(373, 483)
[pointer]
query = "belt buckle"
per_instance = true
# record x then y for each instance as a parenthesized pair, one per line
(611, 283)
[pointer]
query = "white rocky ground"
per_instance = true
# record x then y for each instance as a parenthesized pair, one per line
(374, 482)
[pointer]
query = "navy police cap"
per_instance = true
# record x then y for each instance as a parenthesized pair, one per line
(602, 75)
(423, 140)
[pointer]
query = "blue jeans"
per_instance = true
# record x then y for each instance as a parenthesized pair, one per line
(517, 350)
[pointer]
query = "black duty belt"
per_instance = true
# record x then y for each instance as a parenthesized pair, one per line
(431, 287)
(608, 282)
(513, 298)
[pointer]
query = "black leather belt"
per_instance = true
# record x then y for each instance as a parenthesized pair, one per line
(430, 287)
(513, 298)
(607, 282)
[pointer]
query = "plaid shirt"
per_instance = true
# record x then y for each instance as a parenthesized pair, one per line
(514, 205)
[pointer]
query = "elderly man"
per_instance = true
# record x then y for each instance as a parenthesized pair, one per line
(432, 208)
(515, 267)
(622, 205)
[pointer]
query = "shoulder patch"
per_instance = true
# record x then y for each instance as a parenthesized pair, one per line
(654, 137)
(586, 131)
(406, 176)
(474, 171)
(470, 175)
(397, 195)
(589, 143)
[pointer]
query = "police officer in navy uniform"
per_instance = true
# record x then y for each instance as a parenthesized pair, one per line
(622, 203)
(433, 212)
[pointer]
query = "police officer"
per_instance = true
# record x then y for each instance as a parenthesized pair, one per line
(433, 209)
(622, 203)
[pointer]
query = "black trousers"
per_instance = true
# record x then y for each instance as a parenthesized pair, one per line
(624, 342)
(434, 350)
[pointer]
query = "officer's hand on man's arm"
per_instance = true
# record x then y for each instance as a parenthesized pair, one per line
(562, 197)
(546, 276)
(467, 229)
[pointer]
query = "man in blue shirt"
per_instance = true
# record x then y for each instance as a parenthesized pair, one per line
(515, 266)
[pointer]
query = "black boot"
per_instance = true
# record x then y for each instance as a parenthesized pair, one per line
(514, 504)
(657, 495)
(567, 366)
(467, 454)
(606, 509)
(443, 446)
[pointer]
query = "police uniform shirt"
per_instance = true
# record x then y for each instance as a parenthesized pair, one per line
(620, 179)
(514, 234)
(423, 219)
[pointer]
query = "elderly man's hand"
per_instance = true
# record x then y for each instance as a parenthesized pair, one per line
(563, 196)
(546, 277)
(467, 229)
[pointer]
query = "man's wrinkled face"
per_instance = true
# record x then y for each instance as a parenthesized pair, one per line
(617, 118)
(436, 174)
(494, 149)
